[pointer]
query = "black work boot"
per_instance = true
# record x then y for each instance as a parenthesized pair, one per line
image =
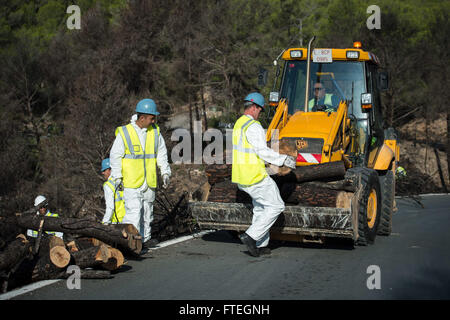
(151, 243)
(250, 243)
(264, 251)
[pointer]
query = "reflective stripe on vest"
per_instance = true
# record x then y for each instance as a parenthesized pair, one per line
(48, 214)
(327, 101)
(139, 165)
(119, 203)
(247, 168)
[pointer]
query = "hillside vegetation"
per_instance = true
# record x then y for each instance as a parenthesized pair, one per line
(63, 92)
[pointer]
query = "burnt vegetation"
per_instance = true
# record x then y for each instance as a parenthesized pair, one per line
(63, 92)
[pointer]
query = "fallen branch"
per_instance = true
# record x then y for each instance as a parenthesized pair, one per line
(125, 236)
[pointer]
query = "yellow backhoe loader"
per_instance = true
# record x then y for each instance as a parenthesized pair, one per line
(344, 183)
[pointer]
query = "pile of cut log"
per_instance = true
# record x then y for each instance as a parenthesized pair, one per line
(322, 185)
(98, 250)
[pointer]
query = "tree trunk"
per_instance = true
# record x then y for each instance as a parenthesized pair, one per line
(441, 174)
(217, 173)
(91, 257)
(115, 257)
(14, 252)
(112, 234)
(335, 170)
(314, 196)
(228, 192)
(448, 143)
(115, 261)
(59, 255)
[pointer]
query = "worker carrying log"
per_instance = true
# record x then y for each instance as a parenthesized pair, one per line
(250, 152)
(41, 202)
(115, 205)
(138, 148)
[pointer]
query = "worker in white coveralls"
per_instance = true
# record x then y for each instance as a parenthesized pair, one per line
(42, 204)
(115, 206)
(137, 150)
(250, 152)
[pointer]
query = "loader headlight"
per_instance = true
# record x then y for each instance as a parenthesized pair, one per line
(352, 54)
(274, 97)
(366, 101)
(296, 54)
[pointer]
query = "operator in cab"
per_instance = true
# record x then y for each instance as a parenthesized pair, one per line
(323, 101)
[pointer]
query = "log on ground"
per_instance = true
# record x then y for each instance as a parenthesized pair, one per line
(109, 234)
(115, 257)
(59, 255)
(91, 257)
(14, 252)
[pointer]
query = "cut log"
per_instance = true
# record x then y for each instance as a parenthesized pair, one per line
(228, 192)
(72, 246)
(335, 170)
(115, 258)
(313, 196)
(14, 252)
(119, 235)
(59, 255)
(9, 230)
(115, 261)
(217, 173)
(91, 257)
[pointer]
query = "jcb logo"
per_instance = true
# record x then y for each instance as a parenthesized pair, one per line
(301, 144)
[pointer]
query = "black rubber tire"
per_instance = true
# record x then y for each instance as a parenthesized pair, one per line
(387, 183)
(369, 181)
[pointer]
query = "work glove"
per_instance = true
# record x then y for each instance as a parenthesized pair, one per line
(290, 162)
(166, 180)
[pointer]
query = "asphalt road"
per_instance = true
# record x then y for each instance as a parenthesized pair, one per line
(412, 263)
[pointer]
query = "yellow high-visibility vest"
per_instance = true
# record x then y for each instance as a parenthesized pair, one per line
(247, 168)
(139, 165)
(52, 233)
(327, 101)
(119, 203)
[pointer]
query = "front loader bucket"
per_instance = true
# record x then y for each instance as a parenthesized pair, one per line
(294, 220)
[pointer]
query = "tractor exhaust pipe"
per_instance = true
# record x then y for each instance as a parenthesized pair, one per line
(308, 65)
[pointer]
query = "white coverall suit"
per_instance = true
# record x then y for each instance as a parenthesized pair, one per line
(138, 201)
(109, 201)
(266, 198)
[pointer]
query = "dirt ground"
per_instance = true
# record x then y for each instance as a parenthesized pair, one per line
(419, 159)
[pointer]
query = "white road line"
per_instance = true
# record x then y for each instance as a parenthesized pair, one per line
(181, 239)
(28, 288)
(41, 284)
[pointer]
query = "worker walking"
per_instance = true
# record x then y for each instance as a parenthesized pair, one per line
(250, 151)
(42, 204)
(115, 205)
(137, 150)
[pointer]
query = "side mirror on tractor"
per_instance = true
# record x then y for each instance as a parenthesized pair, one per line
(383, 81)
(262, 77)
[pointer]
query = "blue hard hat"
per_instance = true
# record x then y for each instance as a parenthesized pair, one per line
(105, 164)
(256, 98)
(147, 106)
